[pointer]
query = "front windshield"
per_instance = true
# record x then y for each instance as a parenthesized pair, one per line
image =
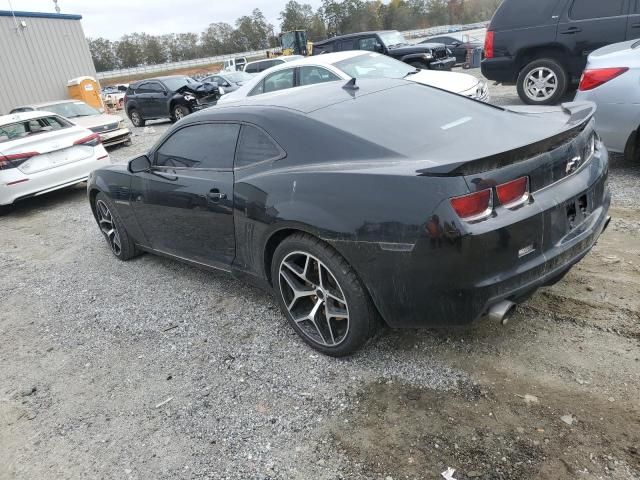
(374, 65)
(238, 77)
(392, 38)
(71, 109)
(177, 83)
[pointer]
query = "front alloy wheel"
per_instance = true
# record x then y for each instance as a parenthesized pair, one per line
(108, 227)
(314, 299)
(113, 229)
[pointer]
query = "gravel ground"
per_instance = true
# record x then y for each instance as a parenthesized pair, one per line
(152, 369)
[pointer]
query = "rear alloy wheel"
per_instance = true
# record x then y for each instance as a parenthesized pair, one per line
(542, 82)
(136, 118)
(179, 112)
(113, 229)
(321, 296)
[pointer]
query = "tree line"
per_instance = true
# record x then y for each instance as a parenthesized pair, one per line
(254, 32)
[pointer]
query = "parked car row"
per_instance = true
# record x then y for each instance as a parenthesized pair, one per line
(343, 66)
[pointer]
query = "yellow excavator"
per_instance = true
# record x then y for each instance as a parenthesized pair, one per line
(293, 42)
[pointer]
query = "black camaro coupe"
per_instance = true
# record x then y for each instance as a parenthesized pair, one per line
(358, 204)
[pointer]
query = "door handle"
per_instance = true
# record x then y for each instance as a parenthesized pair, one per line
(571, 31)
(635, 25)
(215, 195)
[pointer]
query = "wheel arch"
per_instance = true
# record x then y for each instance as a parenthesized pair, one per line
(278, 236)
(552, 51)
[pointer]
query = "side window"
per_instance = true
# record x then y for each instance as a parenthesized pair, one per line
(209, 145)
(369, 43)
(587, 9)
(257, 90)
(311, 75)
(155, 87)
(346, 45)
(143, 88)
(252, 68)
(256, 146)
(279, 81)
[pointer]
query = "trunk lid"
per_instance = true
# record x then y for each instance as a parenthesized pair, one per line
(53, 149)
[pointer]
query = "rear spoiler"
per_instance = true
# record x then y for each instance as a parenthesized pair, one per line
(580, 114)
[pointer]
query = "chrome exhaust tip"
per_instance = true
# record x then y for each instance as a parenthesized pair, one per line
(501, 311)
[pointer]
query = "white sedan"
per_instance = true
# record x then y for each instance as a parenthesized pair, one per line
(354, 64)
(41, 152)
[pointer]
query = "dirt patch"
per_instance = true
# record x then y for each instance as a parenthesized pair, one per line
(491, 430)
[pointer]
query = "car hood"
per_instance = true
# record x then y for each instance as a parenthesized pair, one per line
(416, 48)
(96, 120)
(450, 81)
(199, 89)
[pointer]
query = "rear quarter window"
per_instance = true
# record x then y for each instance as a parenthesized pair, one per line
(588, 9)
(256, 146)
(524, 13)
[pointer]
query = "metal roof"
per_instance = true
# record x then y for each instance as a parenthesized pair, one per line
(58, 16)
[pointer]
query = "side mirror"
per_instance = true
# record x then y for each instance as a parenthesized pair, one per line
(379, 48)
(227, 84)
(139, 164)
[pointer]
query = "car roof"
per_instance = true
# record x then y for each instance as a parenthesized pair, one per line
(329, 58)
(351, 35)
(48, 104)
(284, 58)
(23, 116)
(314, 97)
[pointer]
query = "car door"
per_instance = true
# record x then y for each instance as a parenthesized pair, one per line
(158, 100)
(184, 204)
(587, 25)
(141, 95)
(633, 22)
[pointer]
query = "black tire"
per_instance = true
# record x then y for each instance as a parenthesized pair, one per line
(545, 93)
(136, 118)
(362, 318)
(109, 221)
(420, 65)
(631, 151)
(179, 112)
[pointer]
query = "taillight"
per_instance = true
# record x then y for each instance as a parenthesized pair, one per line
(475, 206)
(488, 44)
(513, 193)
(15, 159)
(91, 140)
(594, 78)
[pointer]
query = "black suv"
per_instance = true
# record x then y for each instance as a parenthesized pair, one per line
(431, 56)
(171, 97)
(543, 45)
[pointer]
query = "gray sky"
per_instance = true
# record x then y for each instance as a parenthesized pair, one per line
(113, 18)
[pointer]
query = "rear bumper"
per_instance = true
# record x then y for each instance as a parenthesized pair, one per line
(500, 69)
(26, 186)
(455, 272)
(444, 64)
(115, 137)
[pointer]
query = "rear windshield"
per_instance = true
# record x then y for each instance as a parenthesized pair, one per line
(27, 128)
(523, 13)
